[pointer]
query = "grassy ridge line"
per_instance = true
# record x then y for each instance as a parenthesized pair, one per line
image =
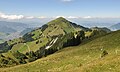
(83, 58)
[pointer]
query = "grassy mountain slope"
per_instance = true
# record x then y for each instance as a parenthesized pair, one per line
(44, 34)
(40, 42)
(89, 56)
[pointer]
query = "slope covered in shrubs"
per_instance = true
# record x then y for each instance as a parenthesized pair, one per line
(98, 55)
(48, 39)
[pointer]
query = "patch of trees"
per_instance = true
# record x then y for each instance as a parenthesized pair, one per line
(40, 53)
(72, 42)
(37, 41)
(21, 57)
(6, 61)
(50, 51)
(4, 47)
(7, 45)
(28, 37)
(31, 56)
(98, 32)
(75, 39)
(44, 27)
(71, 39)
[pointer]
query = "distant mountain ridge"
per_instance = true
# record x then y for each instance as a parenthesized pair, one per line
(104, 29)
(10, 29)
(6, 29)
(115, 27)
(26, 31)
(13, 25)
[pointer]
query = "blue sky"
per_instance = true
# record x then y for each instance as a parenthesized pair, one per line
(50, 8)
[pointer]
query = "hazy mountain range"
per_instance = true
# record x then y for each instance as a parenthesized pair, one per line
(11, 29)
(115, 27)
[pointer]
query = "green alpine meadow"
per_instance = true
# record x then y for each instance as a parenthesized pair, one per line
(62, 46)
(59, 35)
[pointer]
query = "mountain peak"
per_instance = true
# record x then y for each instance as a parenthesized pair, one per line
(58, 20)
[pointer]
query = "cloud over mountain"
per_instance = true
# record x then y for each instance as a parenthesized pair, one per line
(5, 16)
(12, 17)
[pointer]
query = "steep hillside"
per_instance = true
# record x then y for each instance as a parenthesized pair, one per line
(54, 28)
(101, 54)
(42, 41)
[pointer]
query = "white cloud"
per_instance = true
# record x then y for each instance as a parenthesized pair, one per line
(30, 17)
(59, 16)
(16, 17)
(72, 17)
(11, 17)
(87, 17)
(42, 17)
